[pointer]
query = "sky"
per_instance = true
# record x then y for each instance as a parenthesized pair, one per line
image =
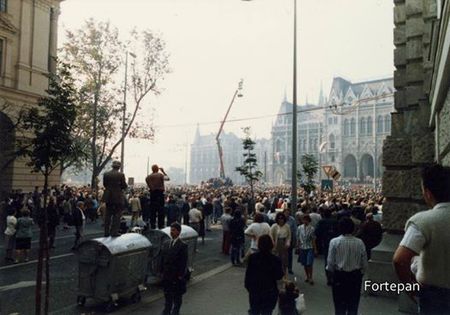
(215, 43)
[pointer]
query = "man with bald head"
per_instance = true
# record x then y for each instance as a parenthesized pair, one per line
(155, 183)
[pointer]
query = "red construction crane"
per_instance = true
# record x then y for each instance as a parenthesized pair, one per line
(219, 147)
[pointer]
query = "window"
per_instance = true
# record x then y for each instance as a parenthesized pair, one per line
(3, 5)
(346, 127)
(1, 56)
(352, 126)
(387, 123)
(332, 141)
(335, 120)
(369, 125)
(362, 126)
(330, 121)
(380, 124)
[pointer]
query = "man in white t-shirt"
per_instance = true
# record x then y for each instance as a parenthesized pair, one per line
(255, 230)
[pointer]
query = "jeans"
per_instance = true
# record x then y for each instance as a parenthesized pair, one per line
(434, 301)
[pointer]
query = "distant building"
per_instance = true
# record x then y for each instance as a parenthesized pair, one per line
(176, 175)
(348, 129)
(28, 41)
(204, 161)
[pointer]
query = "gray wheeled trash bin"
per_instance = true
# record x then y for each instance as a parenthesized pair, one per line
(160, 240)
(111, 268)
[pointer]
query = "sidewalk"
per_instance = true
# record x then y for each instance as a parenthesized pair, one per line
(224, 294)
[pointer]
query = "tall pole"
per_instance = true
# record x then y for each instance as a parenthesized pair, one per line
(124, 112)
(294, 119)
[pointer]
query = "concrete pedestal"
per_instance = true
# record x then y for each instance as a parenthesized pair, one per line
(381, 270)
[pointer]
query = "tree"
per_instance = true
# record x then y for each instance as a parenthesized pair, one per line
(310, 167)
(250, 167)
(49, 125)
(97, 54)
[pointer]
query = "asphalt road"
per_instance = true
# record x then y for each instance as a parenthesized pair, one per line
(17, 281)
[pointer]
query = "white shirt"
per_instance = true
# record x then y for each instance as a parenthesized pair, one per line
(347, 253)
(315, 218)
(195, 215)
(11, 223)
(256, 230)
(413, 239)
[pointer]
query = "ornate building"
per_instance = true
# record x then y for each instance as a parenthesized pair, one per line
(204, 161)
(347, 131)
(356, 121)
(28, 41)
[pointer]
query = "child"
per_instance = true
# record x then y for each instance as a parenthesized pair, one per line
(286, 299)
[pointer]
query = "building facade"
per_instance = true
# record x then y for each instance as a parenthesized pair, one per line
(204, 160)
(28, 42)
(346, 130)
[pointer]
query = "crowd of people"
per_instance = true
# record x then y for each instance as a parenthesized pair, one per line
(343, 226)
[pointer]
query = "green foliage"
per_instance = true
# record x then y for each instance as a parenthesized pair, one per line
(51, 123)
(250, 167)
(310, 167)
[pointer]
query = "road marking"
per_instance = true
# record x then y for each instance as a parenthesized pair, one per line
(34, 261)
(19, 285)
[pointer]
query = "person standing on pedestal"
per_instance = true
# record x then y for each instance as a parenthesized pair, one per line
(115, 184)
(423, 255)
(155, 183)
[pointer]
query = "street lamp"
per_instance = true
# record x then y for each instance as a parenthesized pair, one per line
(294, 118)
(124, 110)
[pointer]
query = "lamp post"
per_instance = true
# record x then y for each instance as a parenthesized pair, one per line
(124, 110)
(294, 118)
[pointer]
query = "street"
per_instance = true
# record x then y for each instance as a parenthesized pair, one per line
(17, 281)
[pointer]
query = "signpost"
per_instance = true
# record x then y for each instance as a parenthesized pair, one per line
(327, 185)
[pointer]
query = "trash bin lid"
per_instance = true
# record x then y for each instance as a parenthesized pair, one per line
(186, 232)
(124, 243)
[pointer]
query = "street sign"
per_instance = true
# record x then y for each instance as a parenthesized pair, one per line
(327, 185)
(327, 169)
(335, 174)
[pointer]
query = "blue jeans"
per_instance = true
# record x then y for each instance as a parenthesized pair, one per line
(235, 254)
(434, 301)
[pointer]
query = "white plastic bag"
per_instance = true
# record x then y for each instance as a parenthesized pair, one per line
(300, 304)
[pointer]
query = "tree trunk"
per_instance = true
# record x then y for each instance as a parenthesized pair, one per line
(94, 133)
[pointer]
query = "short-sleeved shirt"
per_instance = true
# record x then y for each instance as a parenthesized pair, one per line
(257, 229)
(413, 239)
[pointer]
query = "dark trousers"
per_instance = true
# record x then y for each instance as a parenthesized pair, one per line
(346, 292)
(328, 274)
(434, 301)
(290, 254)
(186, 219)
(262, 304)
(173, 302)
(112, 219)
(236, 253)
(226, 242)
(157, 208)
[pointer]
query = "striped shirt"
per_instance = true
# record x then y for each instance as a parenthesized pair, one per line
(347, 253)
(305, 236)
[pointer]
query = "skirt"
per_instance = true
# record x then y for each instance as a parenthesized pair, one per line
(23, 243)
(282, 252)
(306, 257)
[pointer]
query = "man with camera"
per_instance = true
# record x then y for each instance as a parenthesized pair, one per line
(155, 183)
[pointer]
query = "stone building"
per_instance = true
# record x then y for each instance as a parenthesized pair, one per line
(356, 121)
(421, 121)
(348, 129)
(28, 41)
(204, 161)
(310, 129)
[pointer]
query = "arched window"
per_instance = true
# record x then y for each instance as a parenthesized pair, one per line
(387, 123)
(362, 126)
(352, 127)
(380, 124)
(346, 127)
(332, 141)
(369, 125)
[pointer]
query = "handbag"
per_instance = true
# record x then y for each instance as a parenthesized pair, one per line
(300, 304)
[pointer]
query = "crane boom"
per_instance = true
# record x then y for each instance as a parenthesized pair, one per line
(219, 147)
